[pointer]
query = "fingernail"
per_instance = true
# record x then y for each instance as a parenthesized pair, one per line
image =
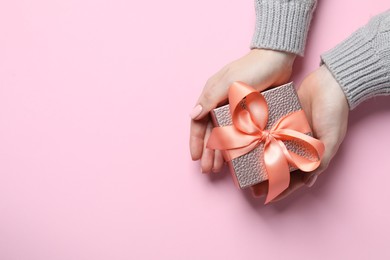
(196, 111)
(311, 181)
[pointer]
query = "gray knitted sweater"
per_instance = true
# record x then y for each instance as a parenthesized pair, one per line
(360, 64)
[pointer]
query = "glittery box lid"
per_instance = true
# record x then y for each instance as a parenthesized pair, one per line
(249, 169)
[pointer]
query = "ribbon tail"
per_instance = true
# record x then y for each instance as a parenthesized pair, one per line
(304, 164)
(277, 168)
(314, 147)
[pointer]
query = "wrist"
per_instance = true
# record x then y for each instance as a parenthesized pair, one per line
(282, 57)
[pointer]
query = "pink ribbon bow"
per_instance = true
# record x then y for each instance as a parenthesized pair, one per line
(248, 131)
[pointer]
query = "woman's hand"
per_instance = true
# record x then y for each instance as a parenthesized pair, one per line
(327, 110)
(261, 69)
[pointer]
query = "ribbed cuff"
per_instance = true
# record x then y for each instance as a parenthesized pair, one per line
(359, 66)
(282, 24)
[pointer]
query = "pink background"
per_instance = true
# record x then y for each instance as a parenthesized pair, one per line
(94, 160)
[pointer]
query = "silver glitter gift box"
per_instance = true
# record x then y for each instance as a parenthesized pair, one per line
(249, 169)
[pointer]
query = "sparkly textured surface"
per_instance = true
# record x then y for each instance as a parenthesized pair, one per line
(249, 168)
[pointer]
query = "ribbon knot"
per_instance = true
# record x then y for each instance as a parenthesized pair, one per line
(266, 135)
(248, 131)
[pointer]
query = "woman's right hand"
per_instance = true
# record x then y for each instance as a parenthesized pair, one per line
(327, 110)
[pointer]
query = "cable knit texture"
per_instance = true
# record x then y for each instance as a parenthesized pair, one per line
(361, 63)
(282, 24)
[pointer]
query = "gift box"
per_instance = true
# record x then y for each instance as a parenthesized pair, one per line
(250, 168)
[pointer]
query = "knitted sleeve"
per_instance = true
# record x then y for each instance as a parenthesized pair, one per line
(361, 63)
(282, 24)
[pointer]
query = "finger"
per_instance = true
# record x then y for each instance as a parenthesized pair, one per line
(310, 178)
(331, 147)
(207, 159)
(197, 134)
(214, 93)
(298, 178)
(218, 161)
(311, 181)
